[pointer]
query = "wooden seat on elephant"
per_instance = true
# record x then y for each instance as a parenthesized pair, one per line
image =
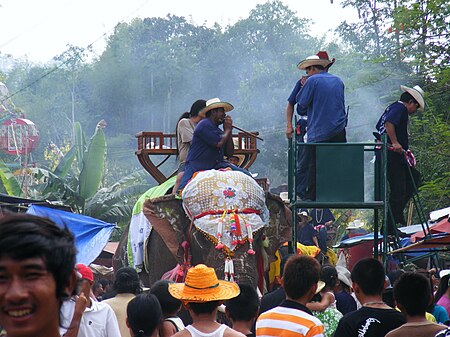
(156, 144)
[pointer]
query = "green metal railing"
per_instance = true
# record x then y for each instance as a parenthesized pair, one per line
(379, 193)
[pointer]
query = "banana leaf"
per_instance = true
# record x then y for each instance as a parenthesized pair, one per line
(66, 163)
(93, 165)
(9, 181)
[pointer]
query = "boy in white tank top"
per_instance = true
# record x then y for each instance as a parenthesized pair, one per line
(201, 294)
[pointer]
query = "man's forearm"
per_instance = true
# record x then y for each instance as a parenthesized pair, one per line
(225, 137)
(390, 130)
(289, 114)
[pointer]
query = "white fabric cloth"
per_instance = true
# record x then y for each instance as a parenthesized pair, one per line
(140, 229)
(97, 321)
(197, 333)
(214, 191)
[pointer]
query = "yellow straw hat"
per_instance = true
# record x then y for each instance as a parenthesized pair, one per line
(202, 285)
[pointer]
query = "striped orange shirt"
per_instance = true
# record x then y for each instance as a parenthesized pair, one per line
(290, 319)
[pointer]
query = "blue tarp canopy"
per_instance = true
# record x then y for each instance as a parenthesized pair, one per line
(91, 235)
(356, 240)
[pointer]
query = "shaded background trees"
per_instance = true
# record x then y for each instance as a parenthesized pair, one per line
(153, 69)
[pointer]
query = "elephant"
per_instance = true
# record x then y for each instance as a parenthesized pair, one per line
(174, 240)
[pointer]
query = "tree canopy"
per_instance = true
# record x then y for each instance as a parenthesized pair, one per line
(154, 68)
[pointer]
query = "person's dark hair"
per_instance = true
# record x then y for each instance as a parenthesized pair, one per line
(412, 291)
(394, 275)
(442, 287)
(245, 306)
(369, 275)
(300, 274)
(196, 107)
(406, 97)
(96, 285)
(127, 281)
(203, 307)
(329, 275)
(169, 304)
(105, 282)
(24, 236)
(144, 315)
(429, 277)
(319, 67)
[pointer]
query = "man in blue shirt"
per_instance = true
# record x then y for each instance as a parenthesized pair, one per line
(209, 142)
(301, 182)
(322, 99)
(394, 122)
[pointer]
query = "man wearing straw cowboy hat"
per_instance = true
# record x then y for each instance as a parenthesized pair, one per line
(394, 122)
(300, 130)
(209, 142)
(202, 293)
(322, 99)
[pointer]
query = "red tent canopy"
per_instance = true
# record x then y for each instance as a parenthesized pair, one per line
(442, 226)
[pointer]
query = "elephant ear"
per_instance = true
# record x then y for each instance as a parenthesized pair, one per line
(279, 229)
(168, 219)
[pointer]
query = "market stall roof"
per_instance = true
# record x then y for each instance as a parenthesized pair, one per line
(438, 242)
(356, 240)
(442, 226)
(91, 235)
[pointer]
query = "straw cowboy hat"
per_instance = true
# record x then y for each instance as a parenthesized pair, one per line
(215, 103)
(320, 286)
(344, 275)
(355, 224)
(240, 158)
(320, 59)
(417, 93)
(202, 285)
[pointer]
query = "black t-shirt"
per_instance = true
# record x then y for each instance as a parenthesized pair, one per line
(272, 300)
(396, 114)
(369, 322)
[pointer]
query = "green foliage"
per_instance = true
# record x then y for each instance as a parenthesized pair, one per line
(93, 164)
(154, 68)
(9, 181)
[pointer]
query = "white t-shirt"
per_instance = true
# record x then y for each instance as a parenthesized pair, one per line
(97, 321)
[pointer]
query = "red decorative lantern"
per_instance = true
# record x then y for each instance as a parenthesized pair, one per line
(18, 136)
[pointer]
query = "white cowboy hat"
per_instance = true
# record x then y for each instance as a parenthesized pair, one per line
(344, 275)
(313, 60)
(355, 224)
(417, 93)
(215, 103)
(305, 214)
(444, 272)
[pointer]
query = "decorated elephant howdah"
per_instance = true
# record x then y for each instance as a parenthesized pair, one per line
(228, 207)
(209, 226)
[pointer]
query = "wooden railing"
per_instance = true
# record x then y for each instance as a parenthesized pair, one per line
(158, 143)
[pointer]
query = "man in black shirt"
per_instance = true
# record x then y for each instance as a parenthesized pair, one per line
(375, 318)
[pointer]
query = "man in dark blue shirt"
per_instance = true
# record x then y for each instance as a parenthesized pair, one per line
(209, 142)
(322, 99)
(394, 122)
